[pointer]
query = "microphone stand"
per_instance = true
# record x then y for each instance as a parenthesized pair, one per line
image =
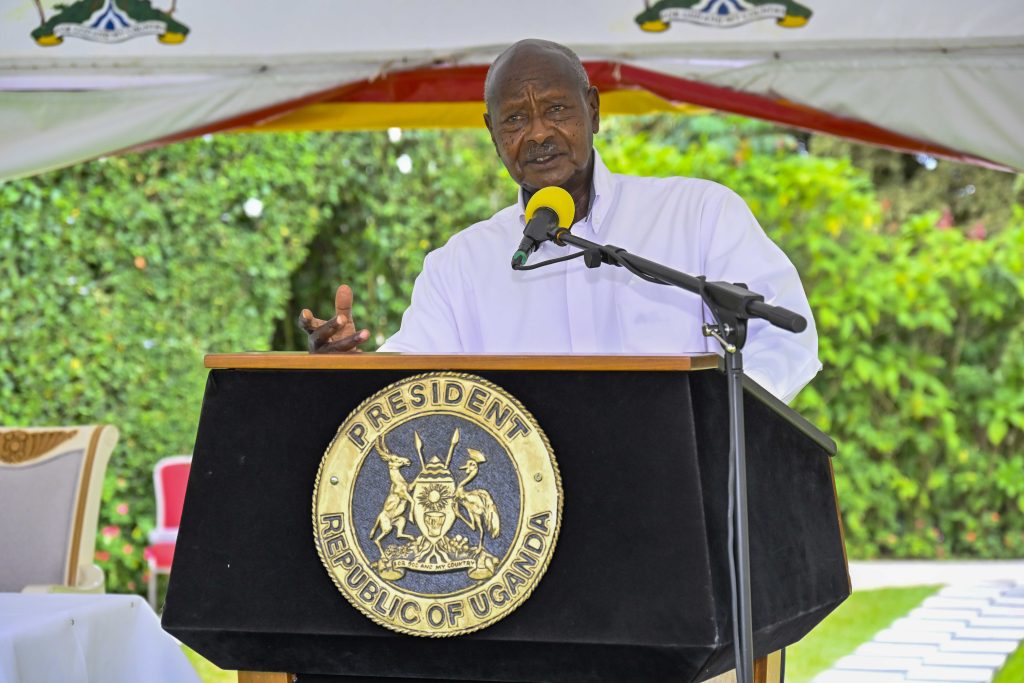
(731, 305)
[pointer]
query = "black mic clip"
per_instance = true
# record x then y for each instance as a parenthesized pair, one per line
(538, 230)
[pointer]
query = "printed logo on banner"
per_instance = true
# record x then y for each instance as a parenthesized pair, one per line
(721, 13)
(108, 21)
(437, 506)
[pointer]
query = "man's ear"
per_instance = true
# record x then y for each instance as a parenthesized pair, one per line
(487, 122)
(594, 102)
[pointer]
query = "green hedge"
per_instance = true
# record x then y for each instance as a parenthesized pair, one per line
(922, 338)
(119, 274)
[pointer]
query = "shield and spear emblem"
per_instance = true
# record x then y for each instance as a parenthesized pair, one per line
(434, 501)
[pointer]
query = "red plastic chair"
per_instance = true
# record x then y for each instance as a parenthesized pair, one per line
(170, 477)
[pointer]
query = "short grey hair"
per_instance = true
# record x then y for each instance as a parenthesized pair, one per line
(578, 71)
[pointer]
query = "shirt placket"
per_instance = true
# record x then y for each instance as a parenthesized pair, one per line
(582, 288)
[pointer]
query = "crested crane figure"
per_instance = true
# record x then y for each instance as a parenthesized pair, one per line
(392, 515)
(481, 512)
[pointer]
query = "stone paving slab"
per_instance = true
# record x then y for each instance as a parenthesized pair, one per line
(944, 613)
(868, 663)
(936, 602)
(986, 621)
(877, 649)
(973, 633)
(915, 624)
(835, 676)
(964, 659)
(959, 645)
(1012, 602)
(999, 610)
(890, 635)
(982, 592)
(960, 674)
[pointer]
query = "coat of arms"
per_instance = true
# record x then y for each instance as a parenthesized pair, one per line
(658, 16)
(437, 505)
(434, 501)
(108, 21)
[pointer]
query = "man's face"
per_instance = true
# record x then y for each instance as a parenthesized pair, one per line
(541, 123)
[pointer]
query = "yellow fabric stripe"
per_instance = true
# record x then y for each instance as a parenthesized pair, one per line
(380, 116)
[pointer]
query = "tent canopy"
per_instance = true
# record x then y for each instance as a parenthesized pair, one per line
(94, 77)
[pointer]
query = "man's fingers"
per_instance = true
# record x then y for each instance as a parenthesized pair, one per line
(307, 321)
(322, 334)
(343, 301)
(345, 343)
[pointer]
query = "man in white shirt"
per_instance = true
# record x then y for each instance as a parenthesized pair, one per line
(542, 114)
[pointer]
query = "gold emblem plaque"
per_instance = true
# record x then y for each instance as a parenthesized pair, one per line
(437, 505)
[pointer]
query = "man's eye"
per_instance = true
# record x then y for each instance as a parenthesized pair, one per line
(558, 107)
(515, 118)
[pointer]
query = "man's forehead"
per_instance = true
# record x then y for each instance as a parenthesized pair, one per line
(543, 70)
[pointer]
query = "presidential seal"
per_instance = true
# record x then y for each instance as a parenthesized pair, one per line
(437, 505)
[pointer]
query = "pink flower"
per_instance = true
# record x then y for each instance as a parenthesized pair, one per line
(122, 509)
(111, 531)
(977, 231)
(102, 556)
(128, 549)
(131, 585)
(946, 221)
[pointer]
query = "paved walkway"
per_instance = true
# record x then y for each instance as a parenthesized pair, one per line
(962, 634)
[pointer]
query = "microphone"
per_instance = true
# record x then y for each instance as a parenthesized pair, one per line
(549, 207)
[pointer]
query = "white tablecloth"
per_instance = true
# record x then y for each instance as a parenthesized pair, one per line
(86, 639)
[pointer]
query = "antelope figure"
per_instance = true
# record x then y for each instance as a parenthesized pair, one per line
(392, 515)
(481, 512)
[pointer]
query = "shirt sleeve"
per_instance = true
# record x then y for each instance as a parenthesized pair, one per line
(737, 250)
(429, 324)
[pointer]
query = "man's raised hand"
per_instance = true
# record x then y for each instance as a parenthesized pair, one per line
(337, 335)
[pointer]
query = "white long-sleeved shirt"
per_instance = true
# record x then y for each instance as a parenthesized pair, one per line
(468, 299)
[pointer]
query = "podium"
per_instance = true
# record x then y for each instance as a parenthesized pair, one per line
(638, 586)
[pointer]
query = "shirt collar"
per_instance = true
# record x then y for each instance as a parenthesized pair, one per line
(601, 195)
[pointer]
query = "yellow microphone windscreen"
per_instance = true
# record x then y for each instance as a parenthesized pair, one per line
(556, 199)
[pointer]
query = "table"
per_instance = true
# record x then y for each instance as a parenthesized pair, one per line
(62, 638)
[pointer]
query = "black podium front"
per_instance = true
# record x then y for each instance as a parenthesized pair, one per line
(638, 587)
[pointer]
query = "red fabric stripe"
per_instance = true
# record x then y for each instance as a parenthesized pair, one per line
(466, 84)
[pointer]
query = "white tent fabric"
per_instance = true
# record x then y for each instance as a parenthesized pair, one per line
(972, 102)
(104, 75)
(49, 129)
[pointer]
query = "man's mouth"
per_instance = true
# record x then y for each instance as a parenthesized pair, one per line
(542, 160)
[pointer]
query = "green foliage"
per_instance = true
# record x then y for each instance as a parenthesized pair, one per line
(922, 337)
(119, 274)
(377, 223)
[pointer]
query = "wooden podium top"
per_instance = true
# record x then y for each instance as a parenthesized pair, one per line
(455, 361)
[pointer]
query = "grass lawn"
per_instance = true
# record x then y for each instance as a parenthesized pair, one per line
(864, 614)
(1013, 669)
(209, 672)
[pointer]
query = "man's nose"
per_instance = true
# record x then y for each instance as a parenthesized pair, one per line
(540, 129)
